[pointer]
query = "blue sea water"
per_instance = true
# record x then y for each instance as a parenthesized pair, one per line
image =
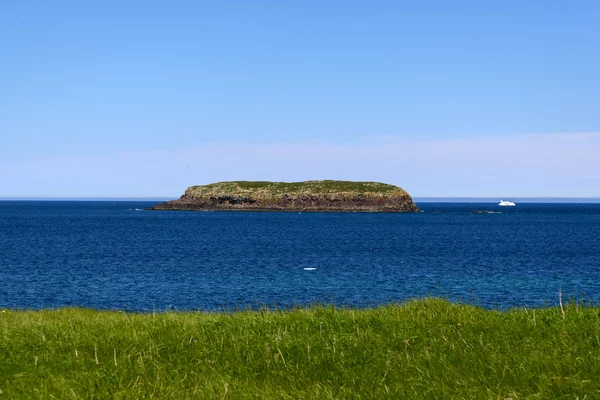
(115, 255)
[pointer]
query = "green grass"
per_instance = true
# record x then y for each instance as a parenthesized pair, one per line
(423, 349)
(261, 189)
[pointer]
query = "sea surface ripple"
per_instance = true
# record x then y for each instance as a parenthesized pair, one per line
(115, 255)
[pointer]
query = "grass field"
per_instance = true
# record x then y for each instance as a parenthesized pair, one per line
(423, 349)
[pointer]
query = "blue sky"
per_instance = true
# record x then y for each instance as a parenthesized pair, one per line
(144, 98)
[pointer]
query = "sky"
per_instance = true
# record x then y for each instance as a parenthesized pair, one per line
(443, 98)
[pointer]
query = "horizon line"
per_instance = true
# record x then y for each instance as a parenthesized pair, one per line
(415, 198)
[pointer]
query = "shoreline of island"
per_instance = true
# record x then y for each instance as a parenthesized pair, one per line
(307, 196)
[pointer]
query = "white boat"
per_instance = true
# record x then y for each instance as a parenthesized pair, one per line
(506, 203)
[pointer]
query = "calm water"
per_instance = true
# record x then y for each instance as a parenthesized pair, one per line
(113, 255)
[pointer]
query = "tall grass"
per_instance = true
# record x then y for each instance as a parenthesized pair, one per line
(422, 349)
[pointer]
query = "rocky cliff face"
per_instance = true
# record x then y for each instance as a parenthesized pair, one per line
(297, 196)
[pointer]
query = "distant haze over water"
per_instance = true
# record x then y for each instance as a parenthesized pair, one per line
(158, 199)
(515, 199)
(416, 199)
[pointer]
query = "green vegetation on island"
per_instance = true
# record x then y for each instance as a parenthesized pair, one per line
(327, 195)
(423, 349)
(265, 189)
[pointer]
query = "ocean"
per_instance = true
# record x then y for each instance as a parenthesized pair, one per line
(116, 255)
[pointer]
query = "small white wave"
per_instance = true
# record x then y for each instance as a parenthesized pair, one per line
(309, 269)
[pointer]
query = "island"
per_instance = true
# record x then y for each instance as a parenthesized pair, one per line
(326, 195)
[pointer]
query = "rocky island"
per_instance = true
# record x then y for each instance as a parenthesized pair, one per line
(325, 195)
